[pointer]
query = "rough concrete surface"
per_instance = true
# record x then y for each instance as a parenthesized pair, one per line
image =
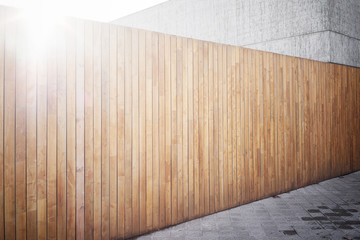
(328, 210)
(303, 28)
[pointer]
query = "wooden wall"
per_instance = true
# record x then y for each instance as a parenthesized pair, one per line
(109, 132)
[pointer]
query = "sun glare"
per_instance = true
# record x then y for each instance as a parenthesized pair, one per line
(41, 26)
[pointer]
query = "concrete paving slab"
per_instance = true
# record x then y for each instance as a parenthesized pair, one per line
(328, 210)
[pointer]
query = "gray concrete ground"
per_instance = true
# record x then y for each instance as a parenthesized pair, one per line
(328, 210)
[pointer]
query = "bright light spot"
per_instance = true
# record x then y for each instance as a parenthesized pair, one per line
(44, 19)
(98, 10)
(41, 26)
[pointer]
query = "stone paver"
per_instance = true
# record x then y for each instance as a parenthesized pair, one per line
(328, 210)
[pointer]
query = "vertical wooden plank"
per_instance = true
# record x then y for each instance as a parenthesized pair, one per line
(356, 118)
(174, 164)
(245, 127)
(257, 126)
(196, 127)
(20, 133)
(338, 133)
(201, 130)
(318, 123)
(191, 121)
(272, 121)
(266, 138)
(233, 126)
(168, 196)
(205, 126)
(211, 146)
(70, 132)
(216, 127)
(135, 132)
(287, 117)
(149, 132)
(97, 130)
(224, 127)
(301, 118)
(357, 80)
(89, 133)
(349, 125)
(334, 123)
(61, 135)
(255, 121)
(128, 136)
(155, 126)
(356, 125)
(113, 133)
(179, 129)
(162, 133)
(243, 79)
(331, 93)
(318, 145)
(327, 119)
(293, 117)
(358, 115)
(276, 104)
(263, 162)
(321, 123)
(221, 131)
(185, 114)
(337, 102)
(2, 106)
(341, 112)
(105, 133)
(344, 115)
(306, 117)
(142, 99)
(121, 129)
(313, 126)
(297, 146)
(79, 129)
(52, 142)
(41, 152)
(229, 142)
(239, 170)
(31, 137)
(281, 126)
(295, 122)
(251, 75)
(306, 121)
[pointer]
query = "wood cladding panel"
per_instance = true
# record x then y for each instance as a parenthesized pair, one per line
(111, 132)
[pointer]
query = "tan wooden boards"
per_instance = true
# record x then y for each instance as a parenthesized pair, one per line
(113, 132)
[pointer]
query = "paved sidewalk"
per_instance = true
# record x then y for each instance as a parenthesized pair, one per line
(328, 210)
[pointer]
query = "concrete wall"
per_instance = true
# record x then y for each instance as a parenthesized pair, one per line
(324, 30)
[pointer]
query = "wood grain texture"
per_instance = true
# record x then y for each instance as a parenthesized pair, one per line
(105, 131)
(70, 132)
(61, 135)
(9, 130)
(20, 134)
(113, 132)
(97, 130)
(121, 129)
(89, 132)
(142, 116)
(2, 105)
